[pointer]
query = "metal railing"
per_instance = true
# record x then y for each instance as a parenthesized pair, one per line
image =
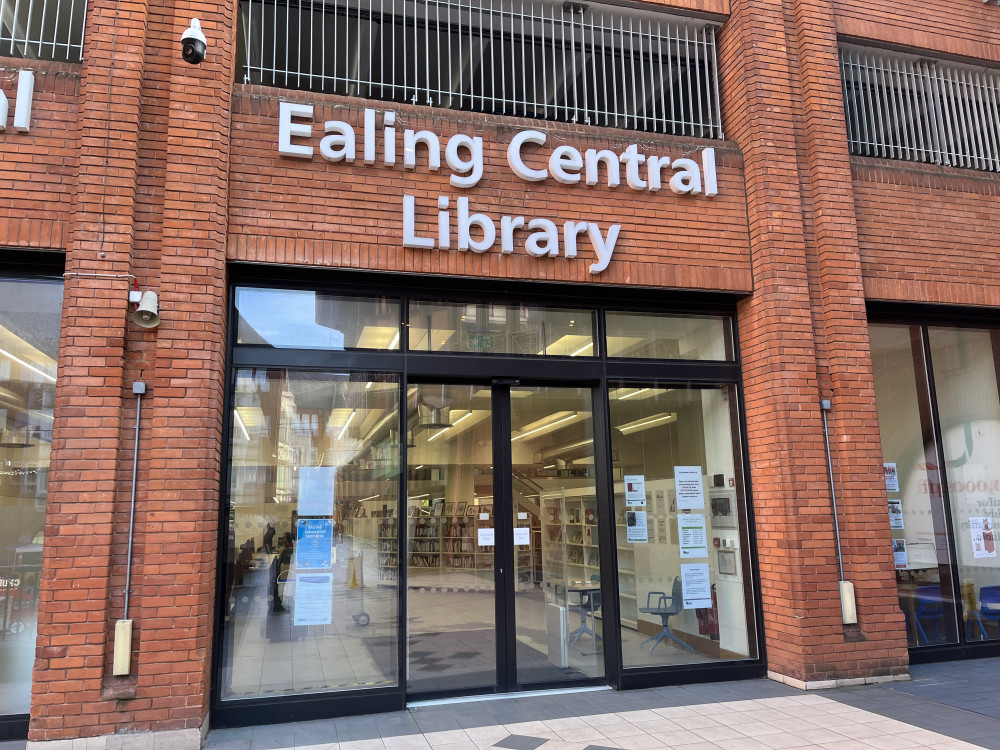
(560, 61)
(916, 109)
(43, 29)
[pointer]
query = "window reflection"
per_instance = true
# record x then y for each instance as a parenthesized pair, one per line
(656, 336)
(916, 509)
(29, 340)
(965, 380)
(501, 329)
(299, 319)
(311, 558)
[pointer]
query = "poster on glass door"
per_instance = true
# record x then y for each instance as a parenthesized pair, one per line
(635, 489)
(690, 490)
(983, 544)
(635, 524)
(694, 539)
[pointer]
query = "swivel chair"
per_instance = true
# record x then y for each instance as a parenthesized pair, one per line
(666, 607)
(989, 609)
(590, 603)
(930, 606)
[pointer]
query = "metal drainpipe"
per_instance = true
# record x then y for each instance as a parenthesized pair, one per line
(139, 388)
(123, 628)
(848, 606)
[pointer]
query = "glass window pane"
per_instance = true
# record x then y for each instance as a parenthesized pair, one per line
(916, 506)
(297, 319)
(683, 560)
(965, 379)
(312, 602)
(557, 597)
(652, 336)
(29, 342)
(451, 584)
(501, 329)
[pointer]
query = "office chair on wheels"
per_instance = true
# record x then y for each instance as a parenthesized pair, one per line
(666, 607)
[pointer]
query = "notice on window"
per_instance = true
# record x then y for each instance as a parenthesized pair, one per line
(635, 489)
(696, 585)
(895, 514)
(316, 490)
(313, 600)
(899, 554)
(891, 478)
(486, 537)
(314, 544)
(635, 525)
(690, 490)
(522, 536)
(694, 539)
(983, 543)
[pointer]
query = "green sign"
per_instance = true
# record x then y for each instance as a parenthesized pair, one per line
(481, 342)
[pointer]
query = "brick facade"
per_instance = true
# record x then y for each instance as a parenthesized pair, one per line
(184, 177)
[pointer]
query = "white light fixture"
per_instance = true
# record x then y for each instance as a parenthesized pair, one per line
(633, 393)
(455, 424)
(239, 422)
(371, 497)
(582, 349)
(644, 424)
(347, 424)
(379, 425)
(21, 362)
(545, 428)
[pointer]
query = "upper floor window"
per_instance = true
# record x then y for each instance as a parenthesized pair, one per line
(564, 61)
(919, 109)
(42, 29)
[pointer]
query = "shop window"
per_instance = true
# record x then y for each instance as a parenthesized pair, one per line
(39, 30)
(968, 405)
(651, 336)
(939, 417)
(313, 489)
(29, 341)
(683, 564)
(501, 329)
(917, 509)
(913, 108)
(570, 62)
(294, 319)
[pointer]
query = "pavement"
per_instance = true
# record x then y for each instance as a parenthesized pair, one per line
(948, 706)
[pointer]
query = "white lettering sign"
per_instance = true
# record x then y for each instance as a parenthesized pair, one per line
(466, 230)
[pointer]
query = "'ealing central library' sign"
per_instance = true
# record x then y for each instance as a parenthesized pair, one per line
(463, 155)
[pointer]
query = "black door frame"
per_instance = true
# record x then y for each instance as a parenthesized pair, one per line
(503, 560)
(594, 372)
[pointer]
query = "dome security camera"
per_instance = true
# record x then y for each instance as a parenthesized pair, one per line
(193, 44)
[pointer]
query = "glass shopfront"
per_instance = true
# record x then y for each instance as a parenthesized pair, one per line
(29, 342)
(431, 497)
(939, 415)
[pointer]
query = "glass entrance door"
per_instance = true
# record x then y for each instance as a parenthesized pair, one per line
(503, 567)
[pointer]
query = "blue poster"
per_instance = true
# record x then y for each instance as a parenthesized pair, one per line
(314, 548)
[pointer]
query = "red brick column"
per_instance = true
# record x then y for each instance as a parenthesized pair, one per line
(803, 338)
(177, 521)
(844, 356)
(72, 637)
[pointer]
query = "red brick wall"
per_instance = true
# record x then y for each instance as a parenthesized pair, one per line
(350, 216)
(803, 338)
(927, 233)
(965, 28)
(809, 231)
(38, 168)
